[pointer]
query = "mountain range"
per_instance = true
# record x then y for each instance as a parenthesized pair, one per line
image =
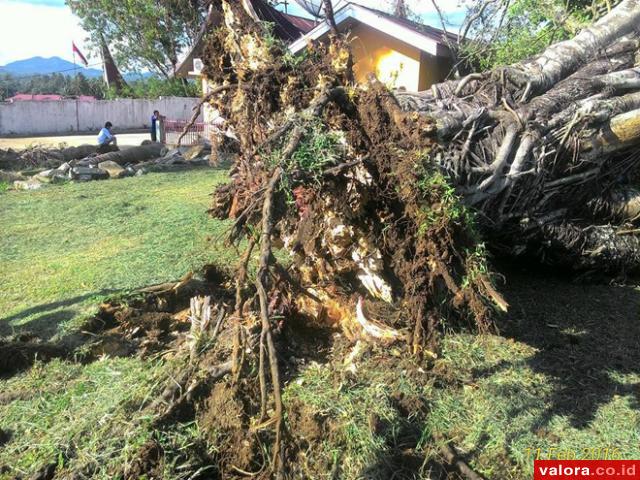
(44, 66)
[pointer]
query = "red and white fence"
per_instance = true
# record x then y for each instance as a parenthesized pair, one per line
(171, 130)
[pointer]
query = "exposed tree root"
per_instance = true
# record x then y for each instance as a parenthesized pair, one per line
(383, 200)
(265, 336)
(451, 456)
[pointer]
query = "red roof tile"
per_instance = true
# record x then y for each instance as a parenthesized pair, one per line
(21, 97)
(304, 24)
(42, 97)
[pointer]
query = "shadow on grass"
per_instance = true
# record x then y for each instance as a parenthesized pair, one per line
(586, 336)
(107, 332)
(33, 339)
(47, 317)
(586, 342)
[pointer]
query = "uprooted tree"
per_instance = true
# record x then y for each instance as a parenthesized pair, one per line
(384, 199)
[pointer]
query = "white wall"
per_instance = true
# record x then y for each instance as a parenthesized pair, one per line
(68, 116)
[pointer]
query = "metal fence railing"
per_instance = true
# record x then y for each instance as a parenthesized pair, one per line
(170, 131)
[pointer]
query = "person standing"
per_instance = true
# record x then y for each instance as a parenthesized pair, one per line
(155, 119)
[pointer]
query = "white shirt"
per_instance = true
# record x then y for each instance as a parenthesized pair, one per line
(103, 136)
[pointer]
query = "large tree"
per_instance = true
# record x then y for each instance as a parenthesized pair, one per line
(142, 34)
(385, 199)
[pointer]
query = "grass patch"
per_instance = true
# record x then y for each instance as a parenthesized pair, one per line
(563, 377)
(65, 248)
(505, 412)
(365, 425)
(561, 381)
(87, 417)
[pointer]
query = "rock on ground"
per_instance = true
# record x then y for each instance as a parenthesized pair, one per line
(31, 184)
(114, 170)
(196, 151)
(87, 174)
(10, 177)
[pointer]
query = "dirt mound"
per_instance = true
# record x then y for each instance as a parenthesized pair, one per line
(16, 356)
(143, 325)
(137, 332)
(147, 463)
(225, 424)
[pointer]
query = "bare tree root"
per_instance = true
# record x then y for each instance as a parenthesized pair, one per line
(238, 350)
(385, 200)
(261, 280)
(451, 456)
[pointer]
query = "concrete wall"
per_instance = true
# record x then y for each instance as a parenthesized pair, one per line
(69, 116)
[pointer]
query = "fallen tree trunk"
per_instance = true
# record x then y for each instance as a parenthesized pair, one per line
(131, 155)
(76, 153)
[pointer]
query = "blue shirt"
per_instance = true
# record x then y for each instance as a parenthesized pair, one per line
(103, 136)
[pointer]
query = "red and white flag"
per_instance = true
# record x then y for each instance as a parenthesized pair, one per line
(77, 51)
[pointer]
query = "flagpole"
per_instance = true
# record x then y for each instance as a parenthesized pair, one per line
(75, 71)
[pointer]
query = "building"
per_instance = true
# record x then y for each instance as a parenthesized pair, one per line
(399, 52)
(23, 97)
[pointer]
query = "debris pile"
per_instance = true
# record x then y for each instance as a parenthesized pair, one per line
(84, 164)
(38, 157)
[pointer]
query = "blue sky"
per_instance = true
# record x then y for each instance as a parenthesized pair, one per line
(43, 28)
(46, 28)
(50, 3)
(453, 12)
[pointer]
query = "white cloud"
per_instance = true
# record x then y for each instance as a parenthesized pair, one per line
(421, 7)
(29, 30)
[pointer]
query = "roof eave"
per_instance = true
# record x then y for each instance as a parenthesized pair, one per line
(377, 22)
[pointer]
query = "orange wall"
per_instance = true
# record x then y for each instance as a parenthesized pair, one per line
(395, 63)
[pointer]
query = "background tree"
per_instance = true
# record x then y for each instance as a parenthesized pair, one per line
(154, 87)
(142, 34)
(502, 32)
(70, 86)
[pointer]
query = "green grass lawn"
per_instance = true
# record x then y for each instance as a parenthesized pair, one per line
(562, 376)
(560, 381)
(64, 248)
